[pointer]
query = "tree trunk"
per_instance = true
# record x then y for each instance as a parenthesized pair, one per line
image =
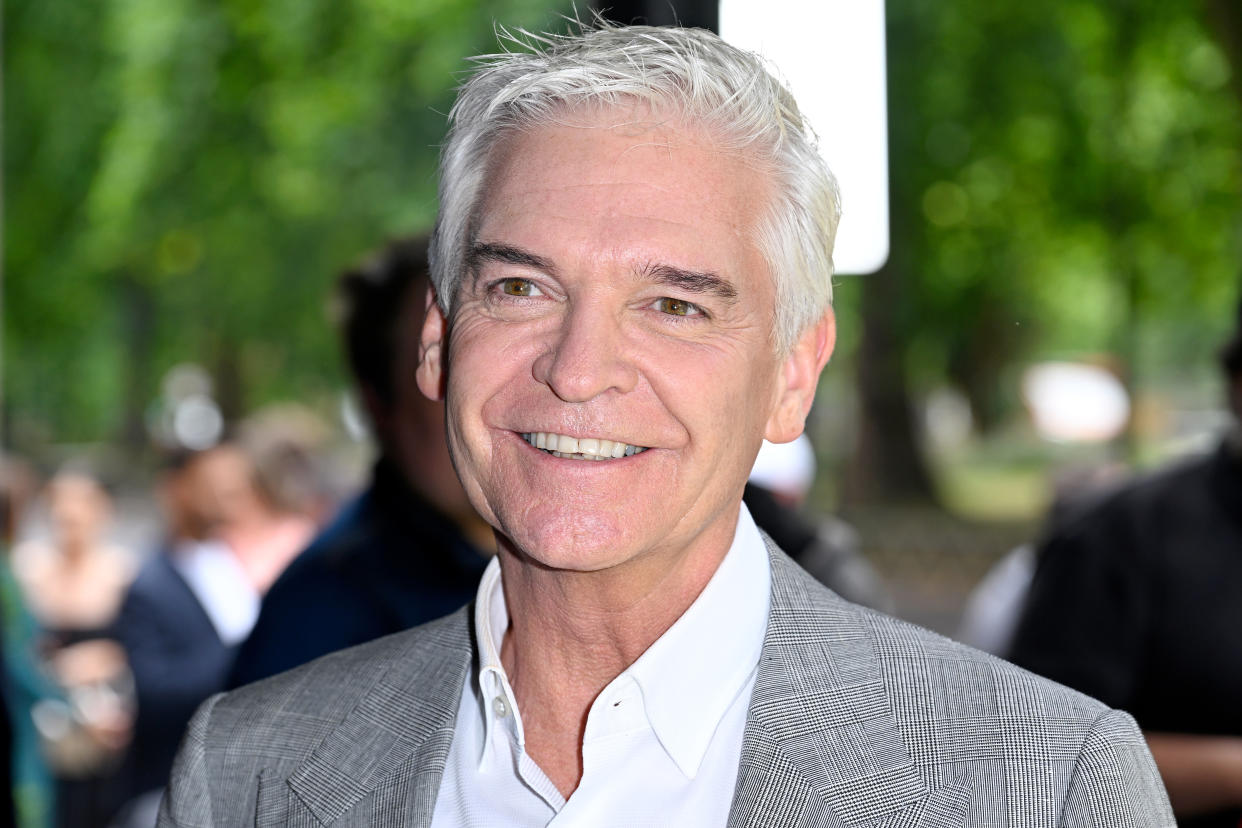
(1225, 21)
(227, 379)
(139, 332)
(888, 464)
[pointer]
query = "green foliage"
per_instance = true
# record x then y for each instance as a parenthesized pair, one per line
(1067, 179)
(184, 178)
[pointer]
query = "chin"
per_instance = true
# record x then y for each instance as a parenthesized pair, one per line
(576, 542)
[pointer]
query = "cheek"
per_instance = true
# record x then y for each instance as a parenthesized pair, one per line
(734, 423)
(718, 392)
(484, 368)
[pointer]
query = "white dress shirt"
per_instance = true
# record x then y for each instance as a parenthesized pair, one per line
(662, 741)
(221, 585)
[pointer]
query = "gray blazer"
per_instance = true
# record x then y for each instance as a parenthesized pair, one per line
(857, 720)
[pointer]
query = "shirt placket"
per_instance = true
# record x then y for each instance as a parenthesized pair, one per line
(506, 737)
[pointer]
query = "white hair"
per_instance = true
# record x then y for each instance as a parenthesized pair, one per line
(726, 91)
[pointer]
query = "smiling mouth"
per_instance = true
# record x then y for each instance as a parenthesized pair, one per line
(580, 448)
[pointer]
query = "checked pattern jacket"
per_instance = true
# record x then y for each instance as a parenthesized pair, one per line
(858, 720)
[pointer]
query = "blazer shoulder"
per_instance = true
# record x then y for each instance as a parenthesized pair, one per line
(418, 662)
(921, 670)
(888, 721)
(955, 672)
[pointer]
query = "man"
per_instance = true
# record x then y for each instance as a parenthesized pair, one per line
(406, 550)
(632, 266)
(185, 613)
(1135, 601)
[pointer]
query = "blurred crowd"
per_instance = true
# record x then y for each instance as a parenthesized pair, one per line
(108, 650)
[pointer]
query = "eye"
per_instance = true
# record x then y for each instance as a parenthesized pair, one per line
(677, 307)
(519, 287)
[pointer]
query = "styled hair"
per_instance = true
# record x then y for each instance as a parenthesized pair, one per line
(690, 74)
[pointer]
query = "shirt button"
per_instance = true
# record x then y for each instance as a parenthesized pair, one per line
(498, 705)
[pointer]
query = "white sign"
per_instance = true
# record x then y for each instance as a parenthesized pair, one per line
(831, 54)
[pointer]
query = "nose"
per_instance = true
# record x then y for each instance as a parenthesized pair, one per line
(586, 357)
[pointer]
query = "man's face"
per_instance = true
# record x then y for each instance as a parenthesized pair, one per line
(615, 294)
(213, 492)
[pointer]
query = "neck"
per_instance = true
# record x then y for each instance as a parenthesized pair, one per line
(571, 633)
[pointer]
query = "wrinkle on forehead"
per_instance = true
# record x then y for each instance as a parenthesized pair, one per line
(518, 179)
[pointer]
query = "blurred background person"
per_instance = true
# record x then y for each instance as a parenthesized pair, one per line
(824, 545)
(73, 582)
(192, 603)
(409, 548)
(993, 608)
(29, 787)
(1135, 600)
(1065, 186)
(270, 519)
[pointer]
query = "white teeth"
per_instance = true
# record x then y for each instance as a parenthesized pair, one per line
(584, 448)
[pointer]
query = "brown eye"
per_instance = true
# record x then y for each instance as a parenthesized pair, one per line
(676, 307)
(517, 287)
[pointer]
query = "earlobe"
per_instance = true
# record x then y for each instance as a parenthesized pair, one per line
(799, 378)
(431, 373)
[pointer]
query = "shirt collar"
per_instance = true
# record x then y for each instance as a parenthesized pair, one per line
(491, 620)
(690, 676)
(693, 673)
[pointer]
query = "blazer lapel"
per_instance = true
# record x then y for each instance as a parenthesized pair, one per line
(822, 746)
(388, 754)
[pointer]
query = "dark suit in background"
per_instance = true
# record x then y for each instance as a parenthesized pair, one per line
(1135, 601)
(388, 562)
(177, 659)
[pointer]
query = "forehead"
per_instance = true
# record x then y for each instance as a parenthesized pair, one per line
(625, 184)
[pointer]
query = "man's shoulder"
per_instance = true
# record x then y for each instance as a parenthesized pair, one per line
(417, 663)
(919, 662)
(1167, 495)
(155, 572)
(352, 530)
(157, 584)
(887, 720)
(321, 736)
(926, 675)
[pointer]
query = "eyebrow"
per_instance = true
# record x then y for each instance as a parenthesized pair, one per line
(691, 281)
(506, 254)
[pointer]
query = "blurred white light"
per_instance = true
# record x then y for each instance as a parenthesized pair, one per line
(785, 468)
(831, 53)
(185, 380)
(1075, 402)
(197, 422)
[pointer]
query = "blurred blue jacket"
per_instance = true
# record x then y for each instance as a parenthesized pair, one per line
(389, 561)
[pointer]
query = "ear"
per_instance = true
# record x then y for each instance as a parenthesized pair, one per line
(431, 350)
(799, 377)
